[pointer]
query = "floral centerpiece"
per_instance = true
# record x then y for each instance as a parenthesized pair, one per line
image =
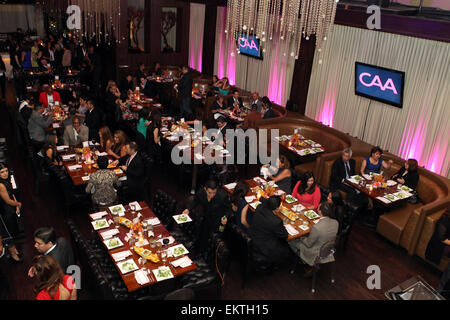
(87, 154)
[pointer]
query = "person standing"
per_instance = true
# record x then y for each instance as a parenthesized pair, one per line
(185, 94)
(93, 120)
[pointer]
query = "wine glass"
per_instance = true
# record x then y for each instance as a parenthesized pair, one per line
(116, 220)
(142, 263)
(163, 256)
(133, 209)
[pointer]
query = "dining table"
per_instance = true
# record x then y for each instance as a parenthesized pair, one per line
(113, 227)
(385, 193)
(297, 219)
(79, 169)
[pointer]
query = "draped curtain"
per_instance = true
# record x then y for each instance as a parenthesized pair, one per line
(13, 16)
(419, 130)
(271, 76)
(196, 26)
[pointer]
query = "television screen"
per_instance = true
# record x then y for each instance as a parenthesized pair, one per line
(249, 45)
(381, 84)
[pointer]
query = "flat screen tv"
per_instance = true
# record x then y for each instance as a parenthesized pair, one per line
(378, 83)
(249, 45)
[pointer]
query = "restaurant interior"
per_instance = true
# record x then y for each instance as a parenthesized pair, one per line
(225, 150)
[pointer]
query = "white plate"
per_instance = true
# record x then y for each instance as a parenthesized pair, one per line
(181, 250)
(182, 215)
(158, 277)
(97, 227)
(391, 183)
(314, 215)
(107, 242)
(120, 212)
(254, 205)
(128, 263)
(292, 199)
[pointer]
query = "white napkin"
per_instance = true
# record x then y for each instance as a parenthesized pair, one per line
(304, 228)
(13, 182)
(141, 277)
(101, 154)
(98, 215)
(353, 181)
(55, 125)
(136, 204)
(62, 148)
(298, 207)
(123, 178)
(249, 199)
(91, 144)
(153, 221)
(264, 172)
(291, 230)
(182, 262)
(66, 157)
(231, 186)
(182, 147)
(75, 167)
(119, 256)
(384, 199)
(173, 138)
(109, 233)
(86, 178)
(367, 176)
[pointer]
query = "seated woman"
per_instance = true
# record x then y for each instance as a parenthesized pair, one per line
(307, 192)
(218, 104)
(51, 283)
(49, 150)
(240, 206)
(143, 122)
(325, 230)
(224, 86)
(281, 174)
(125, 106)
(106, 139)
(439, 245)
(408, 174)
(119, 149)
(214, 85)
(153, 140)
(339, 212)
(101, 184)
(374, 162)
(10, 209)
(268, 233)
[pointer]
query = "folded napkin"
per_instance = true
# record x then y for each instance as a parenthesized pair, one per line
(101, 154)
(353, 181)
(109, 233)
(249, 199)
(231, 186)
(119, 256)
(304, 228)
(98, 215)
(141, 277)
(173, 138)
(92, 144)
(182, 262)
(136, 204)
(153, 221)
(367, 176)
(123, 178)
(298, 207)
(86, 178)
(66, 157)
(383, 199)
(75, 167)
(291, 230)
(62, 148)
(264, 172)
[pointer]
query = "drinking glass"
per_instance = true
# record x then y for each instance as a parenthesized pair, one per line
(142, 263)
(116, 220)
(131, 242)
(133, 208)
(152, 243)
(285, 221)
(165, 242)
(164, 257)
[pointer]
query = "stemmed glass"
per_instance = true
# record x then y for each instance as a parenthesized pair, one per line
(116, 220)
(163, 256)
(142, 263)
(133, 209)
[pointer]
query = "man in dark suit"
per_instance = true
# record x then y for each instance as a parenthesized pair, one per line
(185, 94)
(127, 84)
(134, 167)
(216, 207)
(343, 168)
(47, 244)
(94, 120)
(222, 127)
(235, 101)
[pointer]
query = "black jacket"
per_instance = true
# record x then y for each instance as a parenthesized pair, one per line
(411, 178)
(338, 172)
(269, 236)
(63, 254)
(94, 120)
(125, 86)
(270, 114)
(436, 247)
(2, 67)
(230, 102)
(185, 86)
(135, 173)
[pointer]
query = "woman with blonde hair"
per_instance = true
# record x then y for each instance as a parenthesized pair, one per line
(106, 138)
(51, 283)
(119, 149)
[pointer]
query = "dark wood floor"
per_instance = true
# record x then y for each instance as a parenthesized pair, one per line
(365, 247)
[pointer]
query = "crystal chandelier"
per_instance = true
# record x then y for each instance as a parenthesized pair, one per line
(290, 20)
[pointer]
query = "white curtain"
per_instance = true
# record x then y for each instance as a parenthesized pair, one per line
(13, 16)
(196, 26)
(419, 130)
(271, 76)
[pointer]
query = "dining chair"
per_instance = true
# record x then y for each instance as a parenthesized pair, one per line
(326, 252)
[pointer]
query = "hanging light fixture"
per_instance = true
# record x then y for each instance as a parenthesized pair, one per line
(289, 20)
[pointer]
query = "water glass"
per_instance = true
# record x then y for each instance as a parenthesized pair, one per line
(152, 243)
(164, 256)
(133, 208)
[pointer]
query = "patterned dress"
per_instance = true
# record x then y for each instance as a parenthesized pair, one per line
(101, 185)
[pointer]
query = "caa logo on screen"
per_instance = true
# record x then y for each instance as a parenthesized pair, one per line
(249, 45)
(379, 83)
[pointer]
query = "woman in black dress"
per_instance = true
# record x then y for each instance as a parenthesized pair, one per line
(408, 174)
(49, 150)
(153, 139)
(9, 208)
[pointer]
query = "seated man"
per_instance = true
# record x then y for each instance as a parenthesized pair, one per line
(49, 97)
(253, 116)
(47, 244)
(127, 84)
(256, 102)
(343, 168)
(76, 133)
(308, 248)
(216, 207)
(37, 125)
(235, 101)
